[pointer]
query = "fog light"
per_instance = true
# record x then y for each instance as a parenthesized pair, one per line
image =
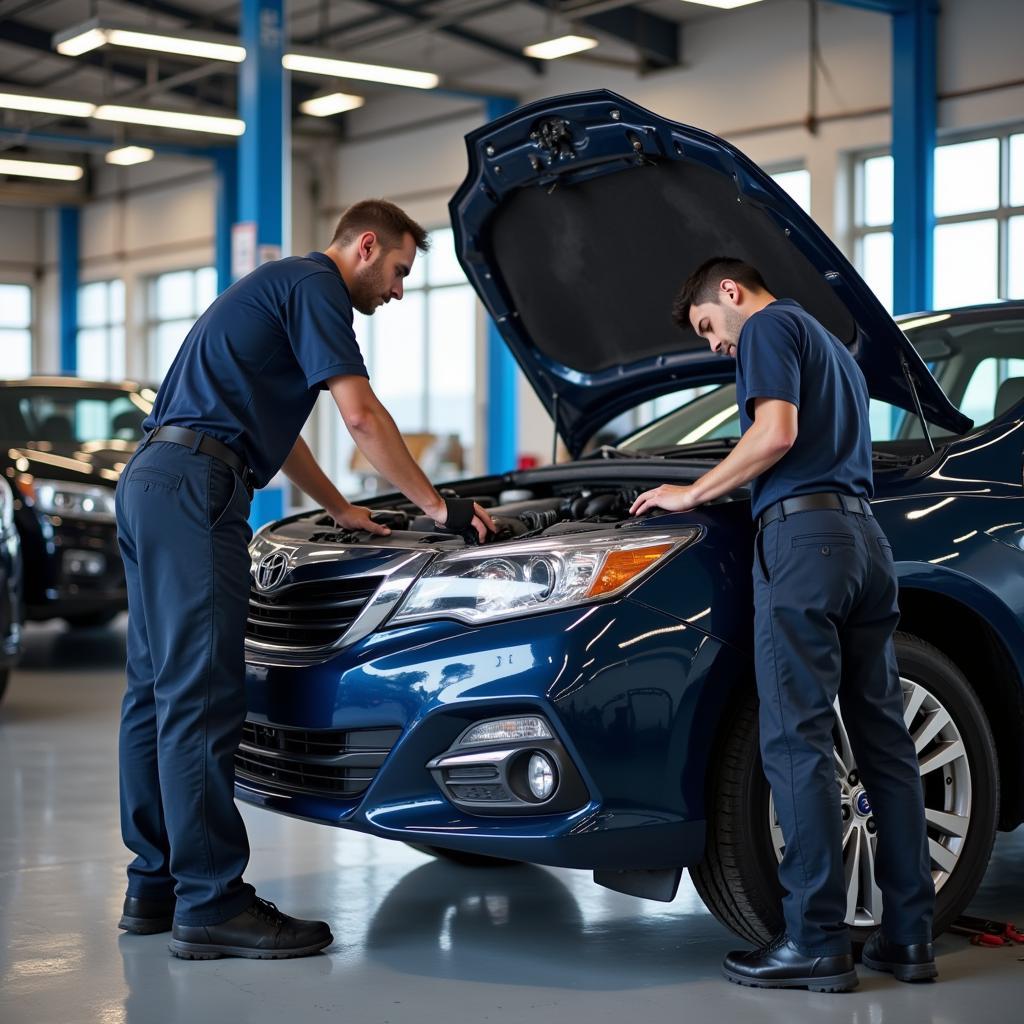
(84, 563)
(540, 775)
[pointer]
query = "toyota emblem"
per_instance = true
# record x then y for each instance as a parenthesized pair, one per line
(271, 570)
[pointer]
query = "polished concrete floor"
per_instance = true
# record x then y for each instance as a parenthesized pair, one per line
(417, 940)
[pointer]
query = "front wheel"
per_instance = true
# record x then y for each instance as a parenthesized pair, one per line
(737, 879)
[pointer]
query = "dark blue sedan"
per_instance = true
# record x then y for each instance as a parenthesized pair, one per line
(580, 691)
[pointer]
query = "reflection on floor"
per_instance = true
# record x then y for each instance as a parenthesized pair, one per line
(416, 940)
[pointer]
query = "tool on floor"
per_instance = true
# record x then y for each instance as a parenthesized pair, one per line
(984, 932)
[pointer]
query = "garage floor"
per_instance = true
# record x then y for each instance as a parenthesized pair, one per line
(416, 940)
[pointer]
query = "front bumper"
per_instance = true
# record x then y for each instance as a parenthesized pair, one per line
(633, 696)
(72, 567)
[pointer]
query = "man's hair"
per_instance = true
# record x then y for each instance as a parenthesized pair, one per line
(702, 285)
(387, 221)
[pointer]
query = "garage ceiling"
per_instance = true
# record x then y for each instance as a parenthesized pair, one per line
(471, 44)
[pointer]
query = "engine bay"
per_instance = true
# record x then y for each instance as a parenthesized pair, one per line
(518, 512)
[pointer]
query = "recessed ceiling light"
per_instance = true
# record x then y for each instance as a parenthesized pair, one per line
(332, 103)
(39, 169)
(171, 119)
(93, 34)
(563, 46)
(128, 155)
(334, 68)
(46, 105)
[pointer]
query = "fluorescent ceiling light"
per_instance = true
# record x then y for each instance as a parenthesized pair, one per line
(38, 169)
(176, 44)
(79, 42)
(332, 103)
(46, 105)
(171, 119)
(723, 5)
(563, 46)
(128, 155)
(96, 33)
(334, 68)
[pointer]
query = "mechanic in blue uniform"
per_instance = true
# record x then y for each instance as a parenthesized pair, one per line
(226, 419)
(825, 608)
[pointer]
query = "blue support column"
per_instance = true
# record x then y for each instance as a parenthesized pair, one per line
(226, 163)
(502, 393)
(264, 151)
(67, 264)
(914, 115)
(264, 162)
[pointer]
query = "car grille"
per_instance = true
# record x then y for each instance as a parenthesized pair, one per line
(308, 614)
(332, 762)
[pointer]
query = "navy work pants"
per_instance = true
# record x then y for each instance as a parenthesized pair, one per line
(183, 534)
(824, 613)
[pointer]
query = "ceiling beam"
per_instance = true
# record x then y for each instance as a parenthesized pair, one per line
(217, 73)
(655, 38)
(464, 35)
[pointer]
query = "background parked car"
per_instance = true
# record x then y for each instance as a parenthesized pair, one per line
(11, 610)
(64, 444)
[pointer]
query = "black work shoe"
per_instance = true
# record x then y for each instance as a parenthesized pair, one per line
(905, 963)
(782, 965)
(146, 917)
(260, 932)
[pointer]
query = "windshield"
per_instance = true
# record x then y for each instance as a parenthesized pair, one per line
(71, 415)
(978, 361)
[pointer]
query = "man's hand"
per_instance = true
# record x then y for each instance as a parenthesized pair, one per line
(668, 497)
(482, 522)
(357, 517)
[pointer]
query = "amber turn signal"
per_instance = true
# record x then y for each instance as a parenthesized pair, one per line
(622, 566)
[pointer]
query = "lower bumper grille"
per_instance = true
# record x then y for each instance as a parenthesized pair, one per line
(329, 762)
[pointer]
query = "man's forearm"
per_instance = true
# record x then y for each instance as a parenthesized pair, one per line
(755, 452)
(381, 442)
(303, 470)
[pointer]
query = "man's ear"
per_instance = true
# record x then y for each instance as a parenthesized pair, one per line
(366, 245)
(730, 288)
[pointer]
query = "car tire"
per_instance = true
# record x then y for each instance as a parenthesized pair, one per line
(472, 860)
(92, 620)
(737, 878)
(5, 675)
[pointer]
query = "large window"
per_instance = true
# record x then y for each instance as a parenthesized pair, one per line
(101, 330)
(15, 330)
(421, 355)
(175, 301)
(797, 182)
(979, 222)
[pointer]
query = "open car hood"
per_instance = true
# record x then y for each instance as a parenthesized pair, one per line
(581, 216)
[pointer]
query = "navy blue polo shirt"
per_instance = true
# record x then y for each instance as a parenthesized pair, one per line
(249, 371)
(783, 352)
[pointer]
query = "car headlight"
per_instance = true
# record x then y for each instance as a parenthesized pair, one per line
(80, 501)
(527, 577)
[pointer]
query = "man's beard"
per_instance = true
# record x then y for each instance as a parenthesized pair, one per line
(733, 324)
(368, 289)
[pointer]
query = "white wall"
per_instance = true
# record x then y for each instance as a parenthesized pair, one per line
(744, 69)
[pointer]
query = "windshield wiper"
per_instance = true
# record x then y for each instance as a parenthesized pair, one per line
(698, 448)
(609, 451)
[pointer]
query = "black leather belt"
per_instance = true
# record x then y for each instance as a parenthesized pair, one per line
(812, 503)
(208, 446)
